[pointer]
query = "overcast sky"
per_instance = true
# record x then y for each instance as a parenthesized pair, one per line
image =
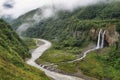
(16, 8)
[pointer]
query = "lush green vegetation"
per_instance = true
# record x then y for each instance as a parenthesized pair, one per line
(70, 34)
(97, 64)
(13, 52)
(102, 64)
(58, 57)
(30, 43)
(72, 29)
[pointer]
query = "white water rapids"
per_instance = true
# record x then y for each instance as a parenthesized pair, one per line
(37, 53)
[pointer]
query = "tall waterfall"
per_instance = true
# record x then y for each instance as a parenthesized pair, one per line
(100, 44)
(103, 36)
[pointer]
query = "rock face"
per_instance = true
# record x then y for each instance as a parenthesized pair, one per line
(111, 36)
(92, 33)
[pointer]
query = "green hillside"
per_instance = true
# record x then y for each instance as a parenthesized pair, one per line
(13, 52)
(75, 26)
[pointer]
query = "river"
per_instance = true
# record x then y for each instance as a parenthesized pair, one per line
(37, 53)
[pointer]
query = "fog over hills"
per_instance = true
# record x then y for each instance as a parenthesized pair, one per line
(15, 8)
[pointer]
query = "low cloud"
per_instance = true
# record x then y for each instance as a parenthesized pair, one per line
(22, 6)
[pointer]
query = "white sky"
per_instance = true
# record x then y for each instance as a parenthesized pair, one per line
(23, 6)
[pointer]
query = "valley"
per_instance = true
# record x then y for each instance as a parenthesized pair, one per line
(37, 53)
(55, 43)
(71, 35)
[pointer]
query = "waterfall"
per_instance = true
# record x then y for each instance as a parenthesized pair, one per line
(103, 36)
(98, 42)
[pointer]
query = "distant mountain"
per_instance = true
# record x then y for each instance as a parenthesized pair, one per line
(99, 11)
(13, 52)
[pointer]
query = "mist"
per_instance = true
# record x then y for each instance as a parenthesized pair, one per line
(22, 28)
(46, 9)
(20, 7)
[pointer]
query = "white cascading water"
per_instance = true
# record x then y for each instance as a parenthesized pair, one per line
(97, 47)
(98, 42)
(103, 36)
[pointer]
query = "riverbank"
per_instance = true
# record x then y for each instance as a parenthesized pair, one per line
(58, 59)
(37, 53)
(93, 65)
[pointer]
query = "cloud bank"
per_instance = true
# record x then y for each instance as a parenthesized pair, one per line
(20, 7)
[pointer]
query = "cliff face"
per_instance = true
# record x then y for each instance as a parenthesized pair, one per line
(93, 33)
(111, 35)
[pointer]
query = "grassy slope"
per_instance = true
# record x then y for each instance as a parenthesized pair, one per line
(57, 57)
(31, 43)
(12, 53)
(96, 65)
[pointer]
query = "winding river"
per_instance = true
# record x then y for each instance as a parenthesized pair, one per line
(37, 53)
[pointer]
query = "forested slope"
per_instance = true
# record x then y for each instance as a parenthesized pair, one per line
(13, 52)
(76, 25)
